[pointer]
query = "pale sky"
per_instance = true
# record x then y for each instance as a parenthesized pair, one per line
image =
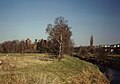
(21, 19)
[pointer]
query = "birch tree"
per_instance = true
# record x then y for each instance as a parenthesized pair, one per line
(60, 37)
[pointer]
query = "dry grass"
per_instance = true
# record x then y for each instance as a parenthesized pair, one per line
(35, 69)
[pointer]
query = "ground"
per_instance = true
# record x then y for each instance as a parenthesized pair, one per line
(42, 69)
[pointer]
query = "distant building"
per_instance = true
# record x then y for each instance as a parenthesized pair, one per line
(114, 48)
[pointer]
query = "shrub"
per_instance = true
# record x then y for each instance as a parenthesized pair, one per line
(102, 54)
(83, 52)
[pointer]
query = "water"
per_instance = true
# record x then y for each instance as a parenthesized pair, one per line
(113, 75)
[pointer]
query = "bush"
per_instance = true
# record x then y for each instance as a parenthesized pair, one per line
(102, 54)
(83, 52)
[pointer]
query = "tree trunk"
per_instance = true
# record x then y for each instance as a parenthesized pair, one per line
(60, 49)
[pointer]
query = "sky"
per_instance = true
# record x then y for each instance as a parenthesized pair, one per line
(21, 19)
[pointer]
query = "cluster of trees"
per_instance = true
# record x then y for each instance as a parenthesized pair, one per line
(85, 51)
(24, 46)
(10, 46)
(16, 46)
(59, 41)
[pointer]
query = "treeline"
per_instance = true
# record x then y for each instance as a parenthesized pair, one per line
(25, 46)
(59, 41)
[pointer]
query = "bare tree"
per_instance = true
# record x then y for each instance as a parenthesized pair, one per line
(60, 36)
(6, 46)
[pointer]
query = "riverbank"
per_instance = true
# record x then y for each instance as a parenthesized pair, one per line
(108, 66)
(112, 61)
(34, 68)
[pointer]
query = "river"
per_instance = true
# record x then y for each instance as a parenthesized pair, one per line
(113, 75)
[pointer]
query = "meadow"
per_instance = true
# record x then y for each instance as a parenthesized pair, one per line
(46, 69)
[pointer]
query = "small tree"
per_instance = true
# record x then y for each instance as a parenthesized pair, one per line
(60, 37)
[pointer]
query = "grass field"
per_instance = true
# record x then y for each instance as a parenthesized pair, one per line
(40, 69)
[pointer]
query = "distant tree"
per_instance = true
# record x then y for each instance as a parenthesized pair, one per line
(91, 41)
(17, 47)
(1, 49)
(91, 45)
(35, 41)
(10, 46)
(28, 46)
(102, 54)
(60, 37)
(14, 46)
(42, 46)
(38, 47)
(34, 46)
(22, 47)
(6, 46)
(83, 51)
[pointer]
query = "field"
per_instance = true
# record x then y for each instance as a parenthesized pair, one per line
(45, 69)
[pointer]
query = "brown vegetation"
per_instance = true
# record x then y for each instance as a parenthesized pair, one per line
(30, 68)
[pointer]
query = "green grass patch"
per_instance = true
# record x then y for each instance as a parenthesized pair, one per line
(32, 69)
